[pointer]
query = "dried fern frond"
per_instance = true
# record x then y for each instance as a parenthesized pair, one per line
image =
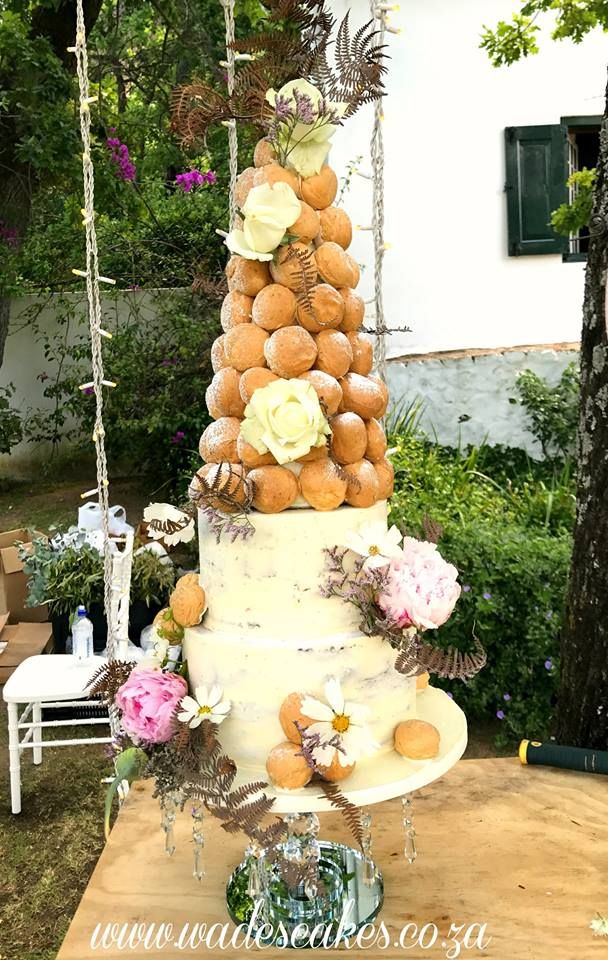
(356, 75)
(349, 811)
(433, 531)
(296, 42)
(451, 664)
(226, 501)
(109, 678)
(214, 289)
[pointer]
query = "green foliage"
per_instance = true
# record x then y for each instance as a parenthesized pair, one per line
(149, 232)
(73, 575)
(514, 583)
(572, 217)
(159, 357)
(552, 410)
(507, 42)
(11, 432)
(571, 19)
(507, 523)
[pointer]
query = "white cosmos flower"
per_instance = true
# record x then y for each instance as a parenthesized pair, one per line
(341, 722)
(599, 925)
(206, 704)
(267, 212)
(376, 543)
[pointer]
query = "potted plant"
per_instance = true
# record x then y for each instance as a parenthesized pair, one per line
(67, 575)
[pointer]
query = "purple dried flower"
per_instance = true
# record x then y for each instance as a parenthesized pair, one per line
(500, 714)
(88, 391)
(305, 110)
(283, 109)
(178, 437)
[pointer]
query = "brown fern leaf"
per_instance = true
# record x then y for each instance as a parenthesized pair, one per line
(109, 678)
(308, 275)
(195, 107)
(211, 288)
(407, 663)
(247, 790)
(451, 664)
(433, 531)
(356, 77)
(228, 492)
(349, 811)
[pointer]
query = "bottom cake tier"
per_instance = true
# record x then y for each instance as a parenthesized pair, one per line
(257, 677)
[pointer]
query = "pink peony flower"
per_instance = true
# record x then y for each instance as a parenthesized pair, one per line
(421, 588)
(148, 701)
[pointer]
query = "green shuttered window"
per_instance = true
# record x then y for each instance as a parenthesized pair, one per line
(536, 169)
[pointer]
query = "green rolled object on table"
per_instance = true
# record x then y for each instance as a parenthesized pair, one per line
(568, 758)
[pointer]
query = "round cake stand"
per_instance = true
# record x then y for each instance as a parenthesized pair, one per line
(352, 889)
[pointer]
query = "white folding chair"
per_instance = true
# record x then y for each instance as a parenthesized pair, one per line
(43, 683)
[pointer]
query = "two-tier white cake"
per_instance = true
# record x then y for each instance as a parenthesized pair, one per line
(270, 632)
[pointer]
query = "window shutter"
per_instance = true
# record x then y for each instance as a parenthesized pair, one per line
(536, 167)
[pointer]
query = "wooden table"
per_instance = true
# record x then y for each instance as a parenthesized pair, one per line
(24, 640)
(522, 849)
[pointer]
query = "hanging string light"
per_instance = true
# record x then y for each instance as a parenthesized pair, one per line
(229, 63)
(117, 564)
(379, 12)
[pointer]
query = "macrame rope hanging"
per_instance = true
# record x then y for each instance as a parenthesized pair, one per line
(228, 6)
(117, 565)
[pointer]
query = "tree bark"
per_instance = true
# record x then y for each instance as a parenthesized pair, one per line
(582, 717)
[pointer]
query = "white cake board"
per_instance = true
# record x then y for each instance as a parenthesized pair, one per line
(388, 776)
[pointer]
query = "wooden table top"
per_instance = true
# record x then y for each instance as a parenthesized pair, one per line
(523, 850)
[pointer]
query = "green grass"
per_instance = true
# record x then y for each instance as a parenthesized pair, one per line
(48, 852)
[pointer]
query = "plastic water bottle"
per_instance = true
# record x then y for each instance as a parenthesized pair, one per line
(82, 635)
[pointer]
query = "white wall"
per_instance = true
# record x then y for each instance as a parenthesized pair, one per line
(58, 318)
(474, 399)
(447, 275)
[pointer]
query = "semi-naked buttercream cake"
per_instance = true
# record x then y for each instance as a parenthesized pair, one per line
(269, 631)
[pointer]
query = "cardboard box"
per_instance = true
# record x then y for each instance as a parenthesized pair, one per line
(13, 581)
(23, 640)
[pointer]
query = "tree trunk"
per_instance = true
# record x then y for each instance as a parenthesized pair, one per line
(582, 717)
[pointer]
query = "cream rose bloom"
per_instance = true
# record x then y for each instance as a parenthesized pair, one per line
(267, 212)
(306, 144)
(285, 418)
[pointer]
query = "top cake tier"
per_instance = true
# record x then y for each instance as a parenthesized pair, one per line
(269, 585)
(294, 400)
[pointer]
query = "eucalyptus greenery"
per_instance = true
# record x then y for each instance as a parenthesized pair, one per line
(71, 575)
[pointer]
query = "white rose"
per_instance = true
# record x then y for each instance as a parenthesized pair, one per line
(285, 418)
(267, 212)
(306, 145)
